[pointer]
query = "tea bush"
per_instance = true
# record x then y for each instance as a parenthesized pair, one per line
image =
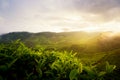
(18, 62)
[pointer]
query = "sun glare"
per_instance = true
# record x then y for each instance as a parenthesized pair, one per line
(90, 29)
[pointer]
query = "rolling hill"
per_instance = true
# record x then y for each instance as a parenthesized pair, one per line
(92, 48)
(89, 46)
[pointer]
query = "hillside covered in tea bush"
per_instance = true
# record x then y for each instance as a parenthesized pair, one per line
(58, 56)
(18, 62)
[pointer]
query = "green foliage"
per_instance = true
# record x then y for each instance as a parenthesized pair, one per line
(109, 68)
(73, 74)
(18, 62)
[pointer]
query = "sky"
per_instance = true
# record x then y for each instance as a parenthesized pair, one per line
(59, 15)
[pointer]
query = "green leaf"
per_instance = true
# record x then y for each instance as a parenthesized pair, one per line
(102, 73)
(109, 68)
(39, 71)
(73, 74)
(12, 62)
(80, 67)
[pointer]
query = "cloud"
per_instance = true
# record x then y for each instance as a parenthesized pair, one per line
(107, 9)
(4, 4)
(96, 6)
(65, 15)
(1, 20)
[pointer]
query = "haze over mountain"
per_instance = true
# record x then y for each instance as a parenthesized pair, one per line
(63, 39)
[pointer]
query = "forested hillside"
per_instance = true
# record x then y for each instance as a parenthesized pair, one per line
(94, 51)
